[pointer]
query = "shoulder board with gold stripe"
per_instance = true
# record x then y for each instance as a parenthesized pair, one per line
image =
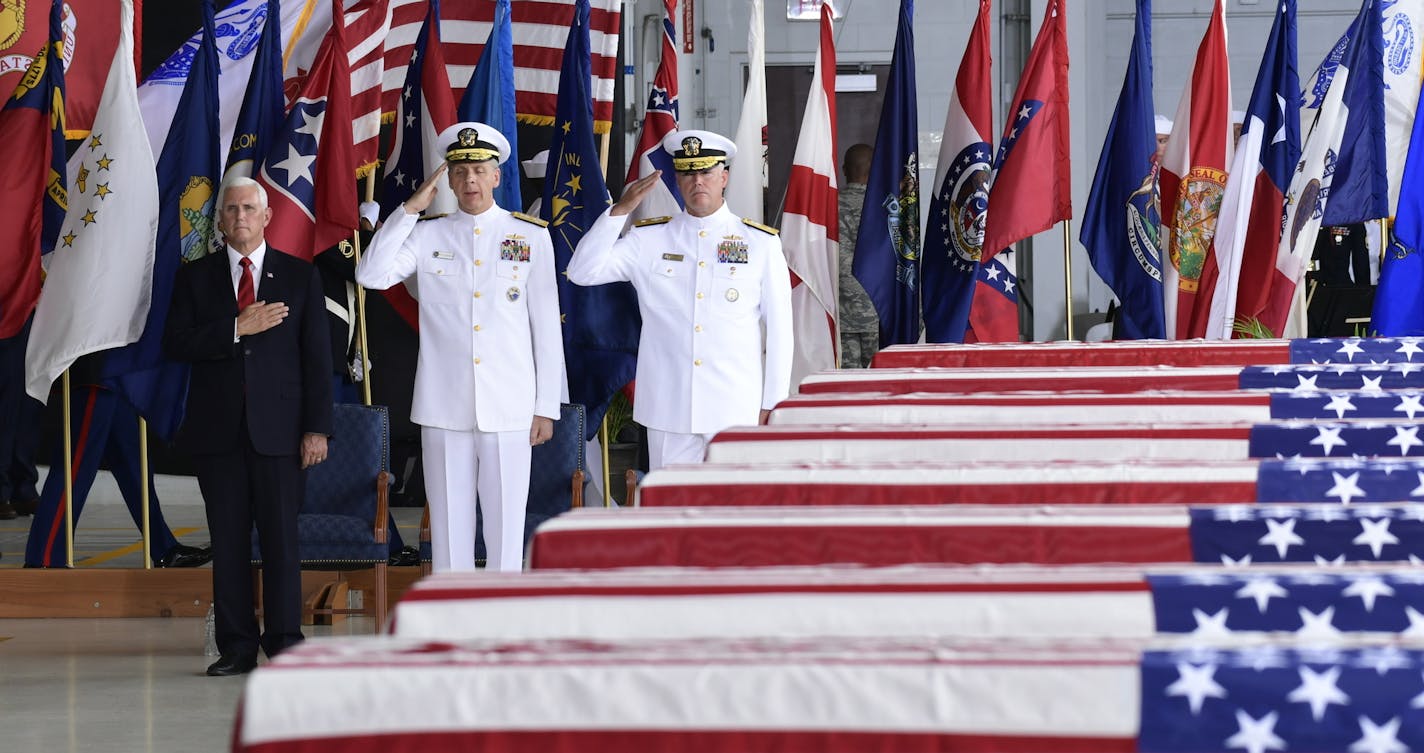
(652, 221)
(431, 217)
(530, 218)
(764, 228)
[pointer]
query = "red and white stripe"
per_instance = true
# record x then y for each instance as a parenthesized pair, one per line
(1089, 378)
(1193, 179)
(696, 537)
(1068, 353)
(809, 226)
(834, 695)
(779, 602)
(980, 440)
(950, 483)
(367, 27)
(1045, 408)
(539, 28)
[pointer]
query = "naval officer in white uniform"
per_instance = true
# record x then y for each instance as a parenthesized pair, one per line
(715, 296)
(491, 363)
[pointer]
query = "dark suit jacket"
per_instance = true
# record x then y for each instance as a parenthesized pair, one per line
(281, 378)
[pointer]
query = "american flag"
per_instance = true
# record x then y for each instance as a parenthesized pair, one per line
(539, 28)
(1155, 353)
(1327, 534)
(1343, 481)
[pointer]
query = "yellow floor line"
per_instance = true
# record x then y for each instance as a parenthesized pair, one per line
(134, 548)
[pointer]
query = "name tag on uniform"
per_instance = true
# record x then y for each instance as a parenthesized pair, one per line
(672, 257)
(513, 249)
(443, 255)
(732, 252)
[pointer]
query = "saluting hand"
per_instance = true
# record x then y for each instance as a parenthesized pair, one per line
(422, 197)
(634, 192)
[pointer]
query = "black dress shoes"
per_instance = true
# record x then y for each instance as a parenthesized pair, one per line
(26, 506)
(8, 511)
(406, 557)
(232, 664)
(185, 556)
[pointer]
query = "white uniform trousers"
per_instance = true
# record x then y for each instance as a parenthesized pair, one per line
(461, 465)
(670, 448)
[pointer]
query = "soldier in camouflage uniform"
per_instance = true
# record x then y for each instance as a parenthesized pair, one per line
(859, 326)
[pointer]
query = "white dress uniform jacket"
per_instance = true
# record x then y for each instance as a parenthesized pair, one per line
(715, 296)
(491, 349)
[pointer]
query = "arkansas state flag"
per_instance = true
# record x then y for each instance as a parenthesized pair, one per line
(659, 120)
(1033, 171)
(1193, 182)
(314, 149)
(960, 202)
(1249, 226)
(809, 225)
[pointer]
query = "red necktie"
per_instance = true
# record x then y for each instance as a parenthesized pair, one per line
(245, 293)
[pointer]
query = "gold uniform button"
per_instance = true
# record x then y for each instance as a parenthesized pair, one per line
(477, 360)
(477, 294)
(477, 231)
(477, 328)
(479, 262)
(701, 233)
(699, 296)
(698, 362)
(701, 263)
(697, 328)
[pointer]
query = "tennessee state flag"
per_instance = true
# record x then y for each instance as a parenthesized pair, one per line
(32, 126)
(310, 171)
(1033, 171)
(1193, 182)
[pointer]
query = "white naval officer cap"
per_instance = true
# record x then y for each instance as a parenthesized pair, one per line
(694, 150)
(473, 142)
(535, 166)
(1164, 125)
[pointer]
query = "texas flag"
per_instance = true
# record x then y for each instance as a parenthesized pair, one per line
(1249, 226)
(1193, 181)
(315, 149)
(659, 120)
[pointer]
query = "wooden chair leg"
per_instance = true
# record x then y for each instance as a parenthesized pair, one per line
(630, 483)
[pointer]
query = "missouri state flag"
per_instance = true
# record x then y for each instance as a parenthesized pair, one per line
(960, 201)
(1033, 171)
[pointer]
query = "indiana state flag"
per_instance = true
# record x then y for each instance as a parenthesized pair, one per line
(263, 104)
(1122, 223)
(32, 126)
(887, 251)
(188, 175)
(601, 323)
(489, 99)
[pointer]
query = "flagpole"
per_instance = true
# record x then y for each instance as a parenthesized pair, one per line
(144, 494)
(68, 475)
(603, 425)
(1068, 276)
(361, 343)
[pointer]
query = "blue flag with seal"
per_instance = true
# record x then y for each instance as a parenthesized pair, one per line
(263, 104)
(188, 173)
(601, 323)
(887, 251)
(489, 99)
(1122, 223)
(1359, 186)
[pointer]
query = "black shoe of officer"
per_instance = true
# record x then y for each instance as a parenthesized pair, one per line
(185, 556)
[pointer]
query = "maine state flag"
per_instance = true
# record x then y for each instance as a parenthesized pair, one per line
(1122, 222)
(601, 323)
(188, 176)
(489, 99)
(887, 251)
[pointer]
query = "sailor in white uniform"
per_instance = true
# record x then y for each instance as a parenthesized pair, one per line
(491, 355)
(715, 296)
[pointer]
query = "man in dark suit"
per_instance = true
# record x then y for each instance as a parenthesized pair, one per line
(251, 320)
